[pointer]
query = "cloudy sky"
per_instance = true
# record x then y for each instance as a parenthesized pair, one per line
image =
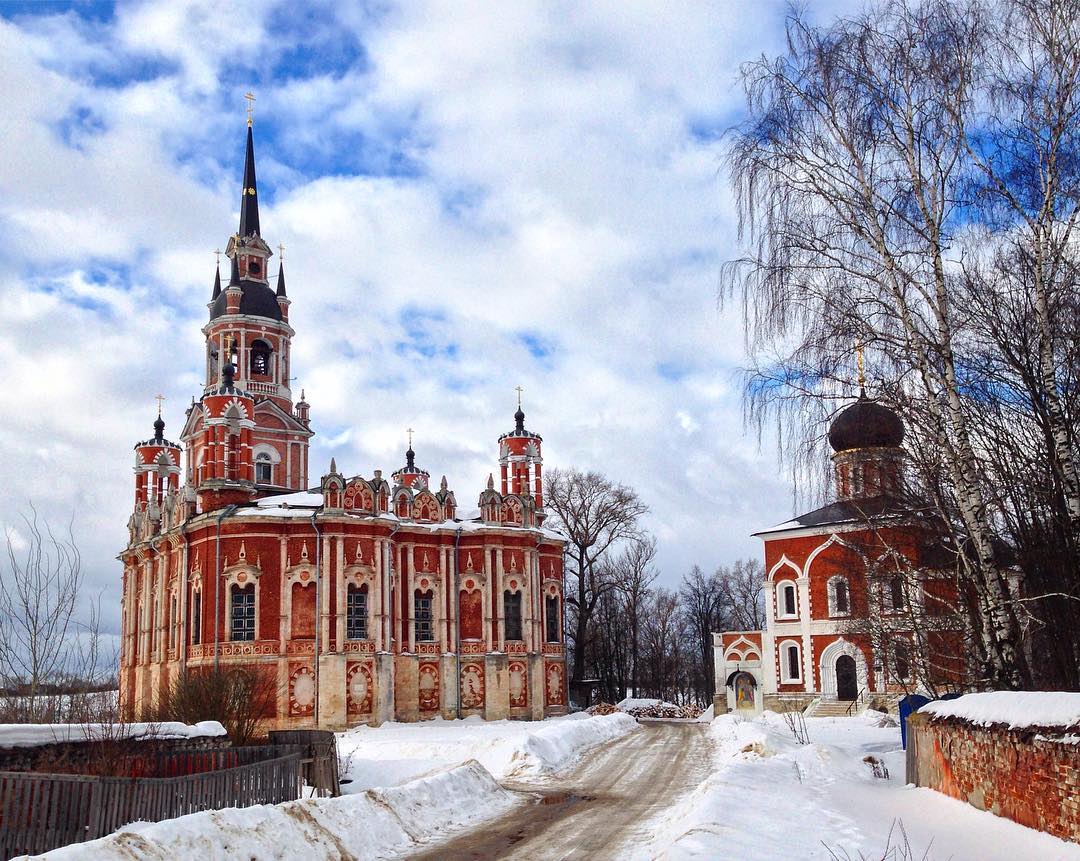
(472, 198)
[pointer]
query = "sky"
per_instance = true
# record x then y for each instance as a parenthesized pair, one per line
(472, 197)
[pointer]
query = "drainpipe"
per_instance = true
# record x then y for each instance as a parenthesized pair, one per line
(562, 620)
(225, 512)
(457, 615)
(318, 605)
(185, 601)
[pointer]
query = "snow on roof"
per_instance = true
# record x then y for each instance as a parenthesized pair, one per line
(301, 497)
(33, 734)
(1015, 709)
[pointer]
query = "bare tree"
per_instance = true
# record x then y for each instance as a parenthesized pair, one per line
(635, 577)
(596, 515)
(855, 181)
(700, 598)
(742, 595)
(50, 657)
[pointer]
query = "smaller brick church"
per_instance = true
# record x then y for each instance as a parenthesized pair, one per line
(357, 599)
(839, 594)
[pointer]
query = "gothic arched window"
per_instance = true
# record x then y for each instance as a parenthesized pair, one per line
(551, 618)
(512, 615)
(839, 596)
(264, 469)
(260, 359)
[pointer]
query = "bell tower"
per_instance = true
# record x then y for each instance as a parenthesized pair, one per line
(520, 462)
(249, 334)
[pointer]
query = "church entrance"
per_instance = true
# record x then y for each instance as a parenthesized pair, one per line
(847, 682)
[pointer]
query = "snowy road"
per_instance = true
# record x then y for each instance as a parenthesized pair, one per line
(602, 804)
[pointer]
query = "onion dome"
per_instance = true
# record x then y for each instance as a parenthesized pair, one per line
(866, 424)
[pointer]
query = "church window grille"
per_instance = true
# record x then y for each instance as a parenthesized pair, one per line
(196, 618)
(551, 618)
(512, 615)
(839, 596)
(243, 612)
(356, 613)
(423, 613)
(264, 469)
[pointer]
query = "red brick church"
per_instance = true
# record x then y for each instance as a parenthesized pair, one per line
(360, 600)
(856, 592)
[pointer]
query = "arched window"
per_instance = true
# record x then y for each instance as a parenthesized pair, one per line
(512, 615)
(196, 617)
(243, 613)
(424, 616)
(787, 606)
(260, 359)
(901, 662)
(471, 611)
(551, 618)
(264, 469)
(896, 593)
(356, 612)
(790, 662)
(839, 596)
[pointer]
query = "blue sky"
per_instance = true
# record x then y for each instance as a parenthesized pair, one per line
(472, 197)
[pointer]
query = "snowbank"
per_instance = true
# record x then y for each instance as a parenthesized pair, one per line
(396, 752)
(30, 735)
(708, 715)
(761, 777)
(643, 703)
(1014, 709)
(378, 824)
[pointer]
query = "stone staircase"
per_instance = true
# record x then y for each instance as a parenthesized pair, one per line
(835, 708)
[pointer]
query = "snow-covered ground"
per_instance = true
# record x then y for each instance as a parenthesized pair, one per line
(396, 752)
(410, 784)
(770, 798)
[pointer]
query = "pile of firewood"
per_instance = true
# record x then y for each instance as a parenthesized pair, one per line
(602, 709)
(665, 710)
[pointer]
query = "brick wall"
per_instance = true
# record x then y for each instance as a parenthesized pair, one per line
(1030, 777)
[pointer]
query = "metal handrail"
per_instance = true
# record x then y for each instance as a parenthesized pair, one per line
(857, 700)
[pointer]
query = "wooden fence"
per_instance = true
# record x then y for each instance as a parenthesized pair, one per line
(320, 757)
(39, 812)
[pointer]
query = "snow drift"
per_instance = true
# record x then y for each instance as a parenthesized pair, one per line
(31, 735)
(1014, 709)
(377, 824)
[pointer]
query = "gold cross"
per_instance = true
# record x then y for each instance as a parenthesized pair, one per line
(410, 433)
(250, 106)
(519, 390)
(217, 255)
(159, 399)
(859, 363)
(281, 251)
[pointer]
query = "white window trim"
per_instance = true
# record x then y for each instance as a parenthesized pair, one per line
(781, 614)
(833, 611)
(785, 677)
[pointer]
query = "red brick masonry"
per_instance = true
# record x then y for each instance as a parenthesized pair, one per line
(1029, 776)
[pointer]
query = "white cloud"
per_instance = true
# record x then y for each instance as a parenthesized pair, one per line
(555, 188)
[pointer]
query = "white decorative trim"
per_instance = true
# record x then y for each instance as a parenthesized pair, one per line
(784, 562)
(827, 666)
(785, 677)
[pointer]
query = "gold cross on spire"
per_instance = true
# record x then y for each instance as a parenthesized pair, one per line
(409, 431)
(217, 255)
(859, 365)
(159, 399)
(281, 251)
(250, 106)
(519, 390)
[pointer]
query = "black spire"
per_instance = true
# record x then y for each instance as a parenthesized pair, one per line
(159, 429)
(519, 419)
(249, 198)
(281, 278)
(410, 460)
(217, 283)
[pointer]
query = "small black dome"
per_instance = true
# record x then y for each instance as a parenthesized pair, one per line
(159, 428)
(866, 424)
(257, 300)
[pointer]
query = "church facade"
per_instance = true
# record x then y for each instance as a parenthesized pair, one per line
(356, 600)
(858, 593)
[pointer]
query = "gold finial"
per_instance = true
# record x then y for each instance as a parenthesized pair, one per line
(519, 390)
(250, 106)
(859, 365)
(281, 251)
(217, 255)
(409, 431)
(159, 399)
